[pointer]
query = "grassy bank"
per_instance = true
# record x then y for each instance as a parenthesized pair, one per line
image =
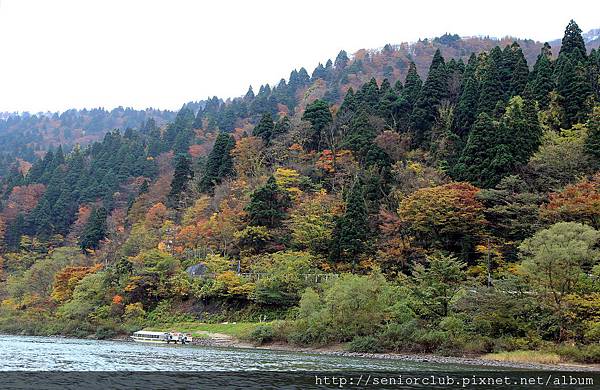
(239, 330)
(525, 357)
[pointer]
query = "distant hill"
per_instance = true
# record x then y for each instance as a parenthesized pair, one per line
(28, 136)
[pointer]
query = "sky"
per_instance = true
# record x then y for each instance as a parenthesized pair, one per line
(61, 54)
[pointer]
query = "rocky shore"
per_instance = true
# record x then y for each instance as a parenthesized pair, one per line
(225, 341)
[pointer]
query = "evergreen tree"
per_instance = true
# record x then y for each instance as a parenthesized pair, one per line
(219, 164)
(95, 230)
(490, 91)
(183, 123)
(319, 116)
(368, 96)
(466, 109)
(475, 160)
(144, 188)
(267, 205)
(412, 85)
(573, 90)
(594, 72)
(408, 97)
(434, 91)
(341, 60)
(520, 71)
(388, 104)
(264, 128)
(182, 175)
(351, 232)
(541, 81)
(495, 150)
(572, 43)
(592, 143)
(282, 126)
(360, 135)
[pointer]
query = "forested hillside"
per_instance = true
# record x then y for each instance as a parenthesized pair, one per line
(450, 210)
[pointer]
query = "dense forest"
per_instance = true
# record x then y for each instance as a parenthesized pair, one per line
(452, 210)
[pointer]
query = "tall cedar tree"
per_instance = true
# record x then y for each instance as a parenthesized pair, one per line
(408, 97)
(219, 164)
(475, 157)
(466, 110)
(182, 175)
(434, 91)
(360, 135)
(572, 43)
(592, 144)
(572, 83)
(495, 149)
(520, 71)
(94, 230)
(541, 81)
(267, 205)
(594, 72)
(264, 128)
(319, 116)
(351, 232)
(573, 90)
(180, 128)
(490, 91)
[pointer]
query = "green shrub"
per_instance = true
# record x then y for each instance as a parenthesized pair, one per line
(262, 334)
(401, 337)
(368, 344)
(579, 353)
(349, 306)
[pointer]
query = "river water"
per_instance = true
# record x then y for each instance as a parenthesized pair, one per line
(28, 362)
(33, 353)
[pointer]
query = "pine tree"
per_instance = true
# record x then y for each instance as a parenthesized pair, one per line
(341, 60)
(219, 164)
(594, 72)
(473, 164)
(264, 128)
(144, 188)
(267, 205)
(351, 232)
(182, 175)
(368, 96)
(388, 103)
(495, 150)
(572, 43)
(573, 90)
(282, 126)
(490, 91)
(183, 123)
(592, 143)
(541, 81)
(466, 109)
(520, 71)
(434, 91)
(95, 230)
(412, 86)
(360, 135)
(572, 83)
(319, 116)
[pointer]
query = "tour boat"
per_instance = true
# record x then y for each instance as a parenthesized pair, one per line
(144, 336)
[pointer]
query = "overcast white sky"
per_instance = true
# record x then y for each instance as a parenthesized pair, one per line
(59, 54)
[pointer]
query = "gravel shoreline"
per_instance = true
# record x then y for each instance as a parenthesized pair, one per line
(337, 350)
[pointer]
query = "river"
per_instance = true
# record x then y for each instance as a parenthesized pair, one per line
(29, 362)
(33, 353)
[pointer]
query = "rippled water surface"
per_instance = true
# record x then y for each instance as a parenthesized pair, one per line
(64, 354)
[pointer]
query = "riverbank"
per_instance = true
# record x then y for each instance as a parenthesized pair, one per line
(235, 335)
(338, 350)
